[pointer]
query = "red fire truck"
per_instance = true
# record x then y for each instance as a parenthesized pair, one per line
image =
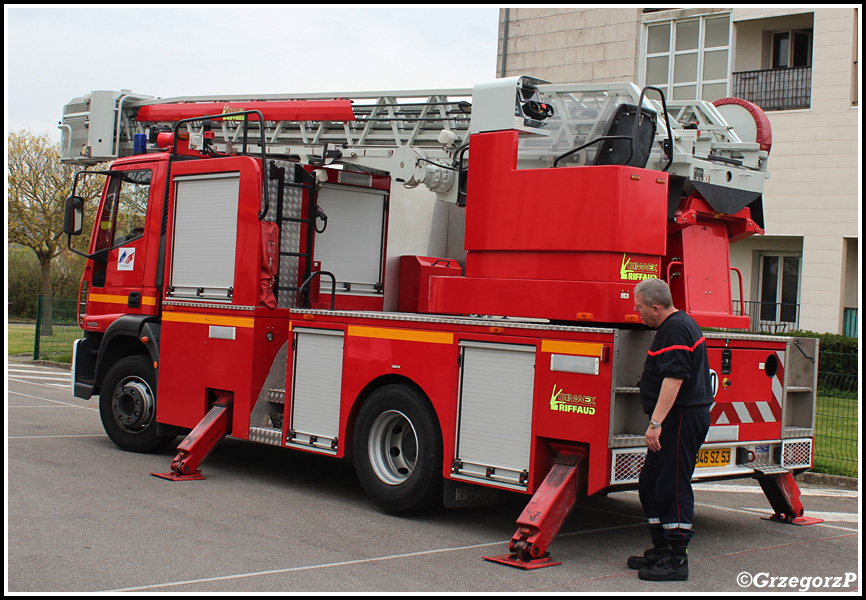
(272, 269)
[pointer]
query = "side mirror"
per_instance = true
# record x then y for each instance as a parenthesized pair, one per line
(73, 215)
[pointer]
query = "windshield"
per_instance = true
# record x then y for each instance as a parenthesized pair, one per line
(578, 118)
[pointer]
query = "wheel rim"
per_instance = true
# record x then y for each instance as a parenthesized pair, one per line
(393, 447)
(132, 404)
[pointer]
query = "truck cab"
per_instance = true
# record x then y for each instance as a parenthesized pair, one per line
(121, 278)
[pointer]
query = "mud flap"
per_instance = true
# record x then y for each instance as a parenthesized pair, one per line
(456, 494)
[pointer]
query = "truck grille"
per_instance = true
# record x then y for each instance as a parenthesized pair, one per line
(627, 466)
(796, 454)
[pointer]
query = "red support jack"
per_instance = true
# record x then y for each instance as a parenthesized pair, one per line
(543, 517)
(196, 446)
(784, 496)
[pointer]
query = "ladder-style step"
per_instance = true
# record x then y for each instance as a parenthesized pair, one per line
(266, 435)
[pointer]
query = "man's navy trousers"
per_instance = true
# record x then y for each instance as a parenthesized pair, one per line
(665, 481)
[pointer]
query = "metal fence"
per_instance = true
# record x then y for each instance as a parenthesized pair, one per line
(836, 417)
(56, 329)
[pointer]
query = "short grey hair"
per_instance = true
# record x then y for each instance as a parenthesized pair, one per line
(655, 291)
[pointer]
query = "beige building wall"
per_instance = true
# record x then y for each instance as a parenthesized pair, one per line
(813, 192)
(570, 45)
(811, 203)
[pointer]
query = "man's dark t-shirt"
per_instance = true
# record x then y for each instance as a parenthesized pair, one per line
(678, 351)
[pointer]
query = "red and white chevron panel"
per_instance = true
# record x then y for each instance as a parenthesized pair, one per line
(759, 414)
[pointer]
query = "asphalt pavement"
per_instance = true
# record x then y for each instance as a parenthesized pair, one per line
(84, 516)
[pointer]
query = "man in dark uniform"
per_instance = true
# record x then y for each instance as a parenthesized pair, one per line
(676, 393)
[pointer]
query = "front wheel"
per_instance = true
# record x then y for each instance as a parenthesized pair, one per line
(127, 406)
(398, 449)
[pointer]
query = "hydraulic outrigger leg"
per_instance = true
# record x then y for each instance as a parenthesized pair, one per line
(784, 495)
(543, 517)
(196, 446)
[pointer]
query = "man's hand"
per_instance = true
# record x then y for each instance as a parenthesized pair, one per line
(667, 397)
(652, 438)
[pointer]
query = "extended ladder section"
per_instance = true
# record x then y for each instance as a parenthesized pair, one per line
(416, 135)
(295, 125)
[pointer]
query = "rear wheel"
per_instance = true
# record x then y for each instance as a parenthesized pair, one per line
(127, 406)
(398, 449)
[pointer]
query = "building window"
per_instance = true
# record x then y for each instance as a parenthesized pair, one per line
(791, 49)
(689, 58)
(779, 288)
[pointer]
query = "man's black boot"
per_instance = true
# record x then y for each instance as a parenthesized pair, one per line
(650, 557)
(672, 567)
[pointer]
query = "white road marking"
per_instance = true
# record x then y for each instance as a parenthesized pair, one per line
(58, 377)
(36, 406)
(55, 401)
(756, 489)
(48, 385)
(40, 437)
(767, 512)
(359, 561)
(834, 517)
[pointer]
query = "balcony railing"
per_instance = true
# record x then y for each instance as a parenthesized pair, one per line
(771, 317)
(775, 89)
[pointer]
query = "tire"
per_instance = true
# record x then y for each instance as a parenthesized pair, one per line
(398, 449)
(127, 406)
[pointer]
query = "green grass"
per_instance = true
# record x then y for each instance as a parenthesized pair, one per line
(20, 338)
(56, 347)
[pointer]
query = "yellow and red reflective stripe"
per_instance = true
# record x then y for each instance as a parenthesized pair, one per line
(406, 335)
(576, 348)
(183, 317)
(120, 299)
(669, 348)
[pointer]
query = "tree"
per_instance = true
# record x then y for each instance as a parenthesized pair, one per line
(38, 187)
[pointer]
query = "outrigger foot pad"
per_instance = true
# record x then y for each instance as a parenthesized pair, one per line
(195, 475)
(513, 561)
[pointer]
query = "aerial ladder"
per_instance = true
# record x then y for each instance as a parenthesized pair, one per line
(416, 134)
(422, 137)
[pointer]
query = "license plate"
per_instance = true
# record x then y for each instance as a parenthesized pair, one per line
(716, 457)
